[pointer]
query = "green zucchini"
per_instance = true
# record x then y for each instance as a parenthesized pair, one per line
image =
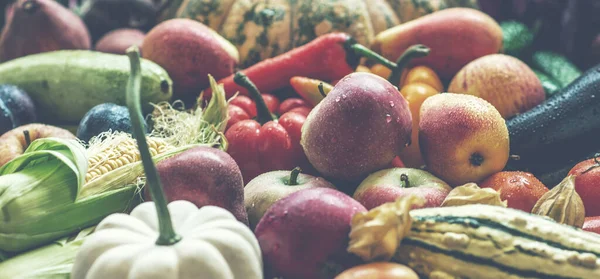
(484, 241)
(66, 84)
(559, 132)
(556, 66)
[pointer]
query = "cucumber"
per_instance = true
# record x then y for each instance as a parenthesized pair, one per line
(66, 84)
(516, 38)
(559, 132)
(550, 85)
(556, 66)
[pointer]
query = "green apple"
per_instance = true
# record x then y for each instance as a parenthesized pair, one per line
(389, 184)
(264, 190)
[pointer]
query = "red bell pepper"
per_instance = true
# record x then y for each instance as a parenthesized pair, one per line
(267, 143)
(328, 57)
(242, 107)
(295, 104)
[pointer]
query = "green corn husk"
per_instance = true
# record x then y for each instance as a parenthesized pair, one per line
(43, 194)
(40, 197)
(51, 261)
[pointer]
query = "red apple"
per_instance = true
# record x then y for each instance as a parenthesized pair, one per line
(204, 176)
(587, 184)
(592, 224)
(264, 190)
(306, 234)
(520, 189)
(388, 185)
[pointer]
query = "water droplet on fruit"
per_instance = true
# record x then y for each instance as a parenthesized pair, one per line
(513, 180)
(388, 118)
(285, 213)
(343, 96)
(392, 104)
(593, 96)
(337, 99)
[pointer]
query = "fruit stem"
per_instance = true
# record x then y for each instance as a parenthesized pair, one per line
(167, 235)
(415, 51)
(596, 163)
(293, 180)
(27, 138)
(321, 90)
(30, 6)
(476, 159)
(404, 179)
(263, 115)
(359, 50)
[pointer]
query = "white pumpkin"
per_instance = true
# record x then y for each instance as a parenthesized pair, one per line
(214, 245)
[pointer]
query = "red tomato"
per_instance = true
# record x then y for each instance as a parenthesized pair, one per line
(520, 189)
(587, 184)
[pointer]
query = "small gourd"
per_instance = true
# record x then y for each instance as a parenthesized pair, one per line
(167, 242)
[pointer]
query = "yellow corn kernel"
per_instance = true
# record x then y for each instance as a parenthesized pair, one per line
(120, 154)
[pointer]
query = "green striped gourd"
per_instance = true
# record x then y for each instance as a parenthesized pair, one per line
(484, 241)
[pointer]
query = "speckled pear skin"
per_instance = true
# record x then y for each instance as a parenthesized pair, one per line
(36, 26)
(203, 176)
(359, 128)
(504, 81)
(453, 128)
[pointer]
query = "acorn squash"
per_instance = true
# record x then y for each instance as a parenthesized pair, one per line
(261, 29)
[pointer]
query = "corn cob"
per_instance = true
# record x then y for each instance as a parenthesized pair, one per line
(121, 152)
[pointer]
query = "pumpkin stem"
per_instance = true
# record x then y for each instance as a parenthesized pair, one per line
(263, 115)
(414, 51)
(167, 235)
(362, 51)
(321, 90)
(404, 180)
(293, 180)
(27, 138)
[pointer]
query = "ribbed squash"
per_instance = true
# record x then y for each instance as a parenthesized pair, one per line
(262, 29)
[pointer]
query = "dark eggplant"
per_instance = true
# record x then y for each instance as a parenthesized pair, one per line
(559, 132)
